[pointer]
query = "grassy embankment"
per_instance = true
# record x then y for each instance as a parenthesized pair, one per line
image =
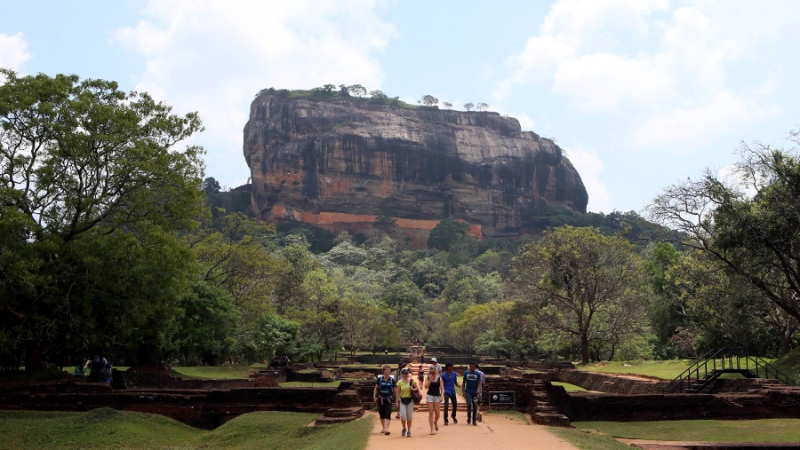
(765, 430)
(668, 369)
(108, 428)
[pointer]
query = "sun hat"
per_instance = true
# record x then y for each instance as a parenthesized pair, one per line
(434, 360)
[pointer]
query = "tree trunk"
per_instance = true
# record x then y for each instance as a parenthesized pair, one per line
(33, 355)
(584, 348)
(785, 339)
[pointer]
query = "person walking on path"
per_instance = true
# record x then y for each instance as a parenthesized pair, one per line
(471, 384)
(433, 384)
(384, 394)
(398, 375)
(450, 381)
(436, 364)
(405, 402)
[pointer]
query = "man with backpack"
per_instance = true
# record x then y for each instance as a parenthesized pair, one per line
(472, 383)
(384, 394)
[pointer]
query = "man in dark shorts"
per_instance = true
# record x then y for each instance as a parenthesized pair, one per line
(450, 379)
(384, 394)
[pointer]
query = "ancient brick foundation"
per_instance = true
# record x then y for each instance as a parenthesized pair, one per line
(207, 406)
(769, 403)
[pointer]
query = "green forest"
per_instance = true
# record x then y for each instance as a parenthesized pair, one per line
(113, 241)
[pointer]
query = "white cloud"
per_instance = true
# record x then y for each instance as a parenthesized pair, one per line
(13, 51)
(667, 66)
(590, 166)
(213, 57)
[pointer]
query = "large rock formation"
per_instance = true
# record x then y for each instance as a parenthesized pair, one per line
(339, 163)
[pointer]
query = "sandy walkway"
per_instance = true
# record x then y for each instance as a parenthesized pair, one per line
(496, 432)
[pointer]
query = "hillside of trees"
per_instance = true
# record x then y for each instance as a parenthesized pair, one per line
(113, 241)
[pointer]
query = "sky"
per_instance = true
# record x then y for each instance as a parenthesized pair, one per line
(639, 93)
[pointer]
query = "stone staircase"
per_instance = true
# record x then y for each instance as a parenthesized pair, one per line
(542, 410)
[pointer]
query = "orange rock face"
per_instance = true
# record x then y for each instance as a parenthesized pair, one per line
(340, 164)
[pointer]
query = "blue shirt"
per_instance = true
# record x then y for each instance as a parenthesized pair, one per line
(472, 381)
(449, 382)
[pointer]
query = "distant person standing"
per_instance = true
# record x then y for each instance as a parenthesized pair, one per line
(384, 394)
(450, 381)
(433, 383)
(471, 383)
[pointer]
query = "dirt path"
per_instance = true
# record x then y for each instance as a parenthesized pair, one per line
(495, 432)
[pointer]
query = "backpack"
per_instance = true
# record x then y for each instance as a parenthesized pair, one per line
(385, 387)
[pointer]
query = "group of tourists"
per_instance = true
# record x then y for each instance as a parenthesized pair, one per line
(401, 390)
(99, 369)
(283, 361)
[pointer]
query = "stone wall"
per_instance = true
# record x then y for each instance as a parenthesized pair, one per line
(205, 408)
(771, 403)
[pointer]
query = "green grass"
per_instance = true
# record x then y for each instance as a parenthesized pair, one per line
(513, 415)
(215, 372)
(568, 387)
(765, 430)
(790, 364)
(107, 428)
(588, 440)
(668, 369)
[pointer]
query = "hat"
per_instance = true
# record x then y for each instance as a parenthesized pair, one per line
(402, 364)
(433, 360)
(449, 364)
(404, 371)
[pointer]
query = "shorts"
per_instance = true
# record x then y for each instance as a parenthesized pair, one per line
(385, 408)
(407, 411)
(434, 398)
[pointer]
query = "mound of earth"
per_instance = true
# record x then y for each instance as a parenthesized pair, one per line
(789, 364)
(360, 375)
(152, 368)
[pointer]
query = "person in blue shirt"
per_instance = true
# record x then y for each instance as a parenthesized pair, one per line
(471, 384)
(450, 380)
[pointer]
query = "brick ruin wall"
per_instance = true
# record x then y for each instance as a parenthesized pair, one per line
(199, 407)
(767, 404)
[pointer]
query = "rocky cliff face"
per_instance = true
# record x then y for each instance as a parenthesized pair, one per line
(339, 162)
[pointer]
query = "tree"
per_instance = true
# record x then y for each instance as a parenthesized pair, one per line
(378, 96)
(85, 167)
(385, 224)
(482, 107)
(447, 105)
(210, 186)
(430, 100)
(754, 236)
(344, 91)
(574, 277)
(446, 233)
(468, 106)
(360, 323)
(357, 90)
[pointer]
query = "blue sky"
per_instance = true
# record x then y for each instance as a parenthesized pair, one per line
(640, 93)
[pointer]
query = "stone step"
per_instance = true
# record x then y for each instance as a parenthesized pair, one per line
(344, 412)
(551, 419)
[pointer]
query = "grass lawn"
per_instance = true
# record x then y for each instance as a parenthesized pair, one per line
(765, 430)
(215, 372)
(568, 387)
(588, 440)
(668, 369)
(107, 428)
